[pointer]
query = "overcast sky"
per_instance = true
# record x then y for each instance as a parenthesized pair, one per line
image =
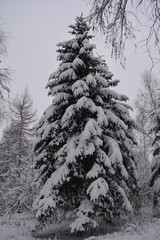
(35, 27)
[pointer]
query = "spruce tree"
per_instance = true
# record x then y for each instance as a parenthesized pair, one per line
(84, 140)
(155, 175)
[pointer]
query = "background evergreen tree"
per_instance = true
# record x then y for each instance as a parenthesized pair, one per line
(84, 140)
(155, 175)
(16, 173)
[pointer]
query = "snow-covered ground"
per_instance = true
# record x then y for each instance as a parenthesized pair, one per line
(16, 227)
(150, 231)
(19, 227)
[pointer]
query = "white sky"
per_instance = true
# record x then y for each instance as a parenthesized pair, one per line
(34, 28)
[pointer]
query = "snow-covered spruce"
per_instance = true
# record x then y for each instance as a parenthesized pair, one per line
(84, 140)
(155, 175)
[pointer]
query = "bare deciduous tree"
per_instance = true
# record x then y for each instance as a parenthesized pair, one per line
(146, 103)
(4, 75)
(119, 20)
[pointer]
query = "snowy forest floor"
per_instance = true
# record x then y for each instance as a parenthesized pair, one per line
(19, 227)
